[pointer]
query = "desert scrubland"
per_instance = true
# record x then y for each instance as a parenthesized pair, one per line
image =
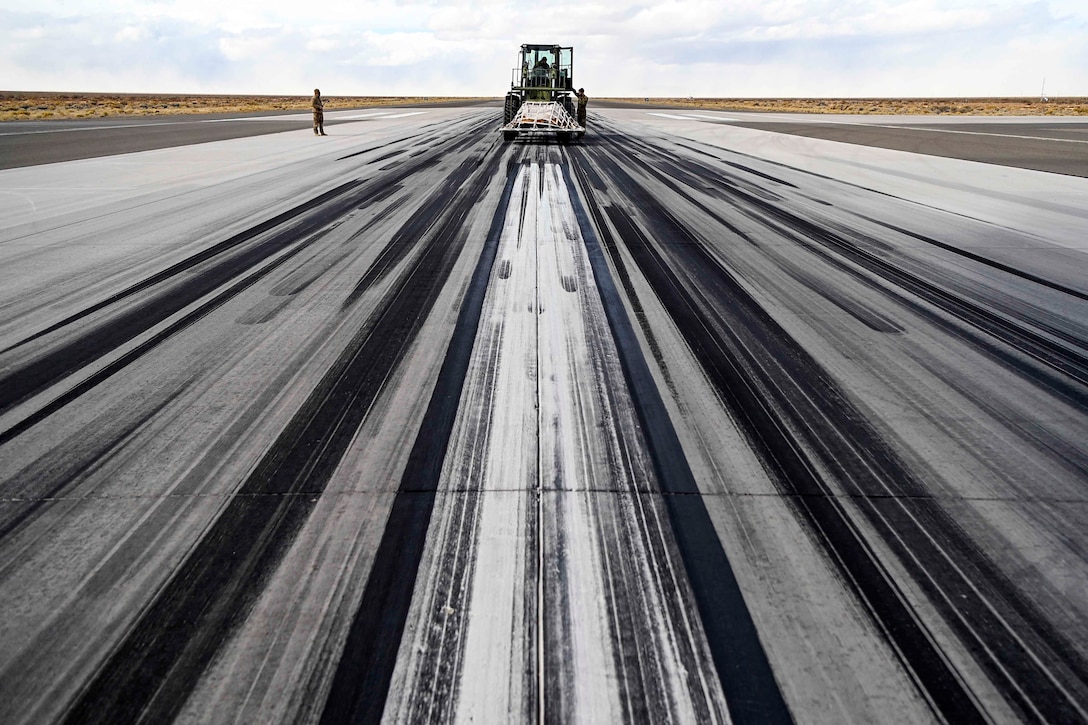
(30, 106)
(1072, 106)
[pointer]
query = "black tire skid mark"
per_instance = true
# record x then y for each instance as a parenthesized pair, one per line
(1069, 454)
(151, 672)
(360, 685)
(681, 175)
(824, 516)
(204, 255)
(454, 582)
(981, 339)
(980, 259)
(558, 690)
(752, 694)
(35, 485)
(1066, 358)
(372, 148)
(176, 292)
(310, 270)
(438, 702)
(647, 700)
(387, 156)
(144, 347)
(628, 516)
(956, 566)
(408, 236)
(1064, 361)
(418, 139)
(861, 312)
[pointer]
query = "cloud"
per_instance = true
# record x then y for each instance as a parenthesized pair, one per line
(249, 47)
(130, 34)
(113, 56)
(682, 47)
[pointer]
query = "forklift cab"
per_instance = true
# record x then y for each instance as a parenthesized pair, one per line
(544, 71)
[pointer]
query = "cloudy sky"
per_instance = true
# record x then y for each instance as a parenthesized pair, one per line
(731, 48)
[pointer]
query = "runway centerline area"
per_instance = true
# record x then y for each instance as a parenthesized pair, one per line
(699, 419)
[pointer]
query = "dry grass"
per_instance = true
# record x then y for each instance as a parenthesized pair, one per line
(885, 106)
(18, 106)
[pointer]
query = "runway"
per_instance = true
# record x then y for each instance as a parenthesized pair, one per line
(701, 419)
(27, 143)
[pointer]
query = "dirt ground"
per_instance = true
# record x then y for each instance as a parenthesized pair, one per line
(886, 106)
(18, 106)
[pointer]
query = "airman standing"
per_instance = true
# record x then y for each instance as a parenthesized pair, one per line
(319, 113)
(583, 100)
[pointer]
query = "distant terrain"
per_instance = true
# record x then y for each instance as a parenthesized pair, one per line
(31, 106)
(1072, 106)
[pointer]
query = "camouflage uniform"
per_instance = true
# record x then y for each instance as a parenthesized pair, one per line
(583, 100)
(319, 113)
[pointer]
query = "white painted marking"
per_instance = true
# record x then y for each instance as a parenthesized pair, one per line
(669, 115)
(93, 128)
(356, 116)
(406, 115)
(691, 116)
(288, 117)
(780, 117)
(24, 197)
(969, 133)
(712, 118)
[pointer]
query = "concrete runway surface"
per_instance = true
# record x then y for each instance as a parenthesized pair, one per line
(697, 420)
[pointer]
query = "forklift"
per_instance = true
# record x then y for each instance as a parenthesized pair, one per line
(541, 97)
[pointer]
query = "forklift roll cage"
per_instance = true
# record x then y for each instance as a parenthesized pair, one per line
(544, 84)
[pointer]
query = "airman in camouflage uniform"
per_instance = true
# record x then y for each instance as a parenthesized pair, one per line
(583, 100)
(319, 113)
